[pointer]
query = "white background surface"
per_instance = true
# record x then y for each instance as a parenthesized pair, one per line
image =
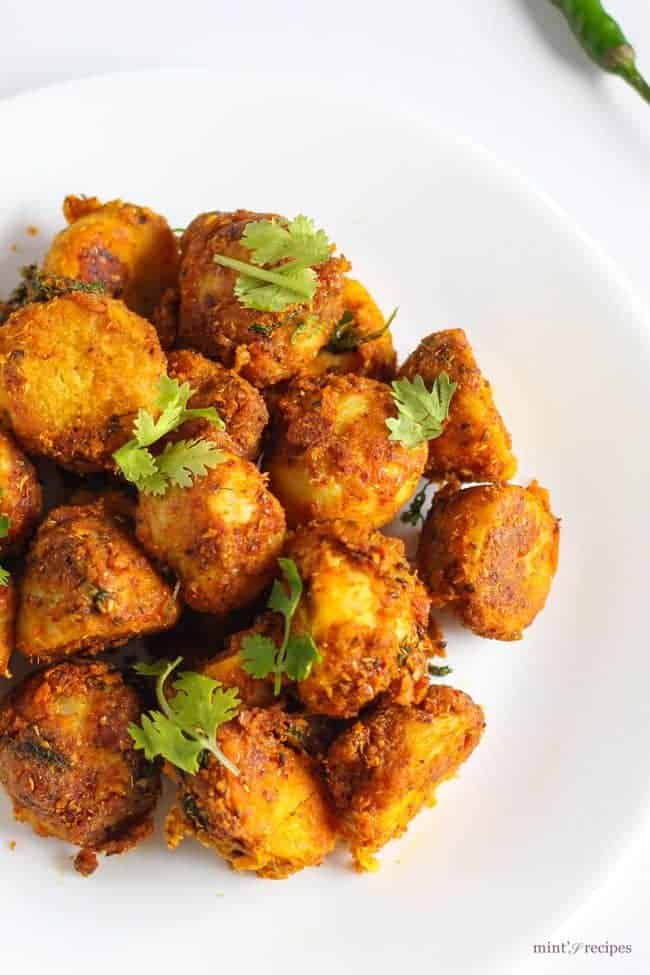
(506, 73)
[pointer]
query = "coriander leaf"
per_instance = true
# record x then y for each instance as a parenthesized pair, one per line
(297, 285)
(271, 241)
(258, 655)
(4, 525)
(160, 736)
(436, 671)
(296, 654)
(414, 512)
(347, 336)
(37, 286)
(421, 413)
(180, 462)
(302, 653)
(5, 576)
(187, 722)
(135, 462)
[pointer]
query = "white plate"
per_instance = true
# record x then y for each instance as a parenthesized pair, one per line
(452, 237)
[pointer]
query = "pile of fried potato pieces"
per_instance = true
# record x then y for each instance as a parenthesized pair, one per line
(309, 472)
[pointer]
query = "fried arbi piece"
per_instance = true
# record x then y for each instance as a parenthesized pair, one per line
(330, 454)
(367, 613)
(274, 818)
(475, 444)
(129, 249)
(490, 552)
(238, 403)
(21, 498)
(361, 342)
(227, 668)
(265, 347)
(87, 586)
(7, 625)
(387, 766)
(73, 374)
(68, 761)
(221, 536)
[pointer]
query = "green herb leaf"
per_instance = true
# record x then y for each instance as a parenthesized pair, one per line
(421, 413)
(4, 531)
(36, 286)
(297, 653)
(436, 671)
(293, 249)
(187, 722)
(179, 462)
(346, 336)
(414, 512)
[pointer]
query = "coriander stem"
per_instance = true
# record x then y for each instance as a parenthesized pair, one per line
(211, 746)
(251, 271)
(160, 689)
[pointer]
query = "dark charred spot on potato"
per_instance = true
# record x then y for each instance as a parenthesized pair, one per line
(39, 751)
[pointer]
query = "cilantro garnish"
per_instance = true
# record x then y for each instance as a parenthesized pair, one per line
(346, 336)
(36, 286)
(178, 462)
(297, 244)
(4, 531)
(421, 413)
(436, 671)
(298, 652)
(414, 512)
(186, 724)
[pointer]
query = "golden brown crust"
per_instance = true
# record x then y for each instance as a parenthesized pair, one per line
(20, 495)
(475, 444)
(366, 611)
(491, 552)
(73, 374)
(238, 403)
(331, 457)
(221, 536)
(165, 318)
(387, 766)
(68, 761)
(87, 586)
(128, 248)
(274, 818)
(228, 670)
(375, 358)
(213, 320)
(7, 626)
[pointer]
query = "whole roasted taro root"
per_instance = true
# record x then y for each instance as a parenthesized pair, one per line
(20, 496)
(331, 455)
(128, 249)
(475, 444)
(68, 761)
(238, 403)
(387, 766)
(221, 536)
(490, 552)
(74, 372)
(88, 586)
(274, 817)
(266, 347)
(366, 612)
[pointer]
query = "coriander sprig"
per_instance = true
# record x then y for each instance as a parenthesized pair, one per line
(421, 413)
(347, 337)
(187, 723)
(293, 249)
(178, 462)
(414, 513)
(298, 652)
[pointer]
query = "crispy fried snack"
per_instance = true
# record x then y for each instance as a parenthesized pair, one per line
(221, 536)
(129, 249)
(87, 586)
(274, 818)
(330, 455)
(366, 611)
(238, 403)
(491, 552)
(387, 766)
(73, 374)
(475, 445)
(68, 762)
(265, 347)
(228, 670)
(7, 626)
(20, 495)
(364, 345)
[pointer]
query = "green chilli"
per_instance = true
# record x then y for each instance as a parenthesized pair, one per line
(604, 41)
